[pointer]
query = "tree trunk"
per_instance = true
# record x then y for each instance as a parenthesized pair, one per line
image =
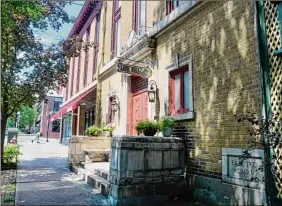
(3, 130)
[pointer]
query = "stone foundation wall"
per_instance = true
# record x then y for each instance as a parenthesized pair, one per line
(80, 143)
(145, 169)
(210, 191)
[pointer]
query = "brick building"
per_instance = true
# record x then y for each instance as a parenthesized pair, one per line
(45, 110)
(205, 68)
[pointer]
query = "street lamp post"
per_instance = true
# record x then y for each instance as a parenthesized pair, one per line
(50, 112)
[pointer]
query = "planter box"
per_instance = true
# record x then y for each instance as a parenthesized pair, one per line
(145, 170)
(78, 145)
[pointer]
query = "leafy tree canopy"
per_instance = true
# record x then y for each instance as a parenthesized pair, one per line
(27, 117)
(29, 69)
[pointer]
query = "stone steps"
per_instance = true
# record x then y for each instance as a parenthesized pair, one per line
(100, 172)
(95, 179)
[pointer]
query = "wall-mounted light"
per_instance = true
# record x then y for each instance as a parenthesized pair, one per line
(115, 103)
(84, 103)
(152, 91)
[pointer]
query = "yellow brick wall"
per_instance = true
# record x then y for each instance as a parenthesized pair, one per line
(220, 36)
(108, 28)
(112, 84)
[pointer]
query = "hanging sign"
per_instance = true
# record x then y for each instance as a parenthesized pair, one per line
(144, 72)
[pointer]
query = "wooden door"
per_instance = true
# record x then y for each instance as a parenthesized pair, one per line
(140, 109)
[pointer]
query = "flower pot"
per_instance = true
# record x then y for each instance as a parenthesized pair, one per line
(167, 131)
(149, 132)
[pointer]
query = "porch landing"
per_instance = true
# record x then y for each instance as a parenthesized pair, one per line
(102, 166)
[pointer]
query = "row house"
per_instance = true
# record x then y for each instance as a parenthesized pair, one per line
(197, 61)
(45, 110)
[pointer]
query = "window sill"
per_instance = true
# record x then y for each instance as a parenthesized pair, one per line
(278, 53)
(184, 116)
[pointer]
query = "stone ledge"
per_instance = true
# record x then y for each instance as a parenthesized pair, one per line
(145, 139)
(128, 191)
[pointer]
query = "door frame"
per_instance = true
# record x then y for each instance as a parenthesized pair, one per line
(130, 128)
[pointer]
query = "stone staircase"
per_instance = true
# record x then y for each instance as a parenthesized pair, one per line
(94, 174)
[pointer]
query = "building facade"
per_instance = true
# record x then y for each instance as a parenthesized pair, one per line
(201, 58)
(45, 110)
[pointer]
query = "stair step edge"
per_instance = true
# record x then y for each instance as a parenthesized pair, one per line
(99, 179)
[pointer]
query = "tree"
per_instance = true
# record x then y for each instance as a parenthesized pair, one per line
(29, 68)
(27, 117)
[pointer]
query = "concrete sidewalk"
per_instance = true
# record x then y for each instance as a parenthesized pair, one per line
(44, 180)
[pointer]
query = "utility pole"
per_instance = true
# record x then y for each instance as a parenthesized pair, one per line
(17, 117)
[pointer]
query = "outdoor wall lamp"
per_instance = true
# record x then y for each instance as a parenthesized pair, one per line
(152, 91)
(115, 103)
(84, 103)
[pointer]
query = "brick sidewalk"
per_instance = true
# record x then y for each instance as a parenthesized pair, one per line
(8, 187)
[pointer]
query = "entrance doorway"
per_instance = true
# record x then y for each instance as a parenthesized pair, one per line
(66, 128)
(138, 103)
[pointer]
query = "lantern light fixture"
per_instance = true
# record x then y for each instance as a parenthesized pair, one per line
(152, 91)
(115, 103)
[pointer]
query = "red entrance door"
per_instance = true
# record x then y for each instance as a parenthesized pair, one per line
(140, 109)
(137, 103)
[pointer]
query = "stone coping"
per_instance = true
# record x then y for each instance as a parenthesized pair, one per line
(259, 153)
(75, 139)
(125, 138)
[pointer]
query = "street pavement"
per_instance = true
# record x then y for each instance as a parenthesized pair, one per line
(43, 178)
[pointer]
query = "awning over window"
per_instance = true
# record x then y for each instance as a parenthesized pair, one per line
(69, 107)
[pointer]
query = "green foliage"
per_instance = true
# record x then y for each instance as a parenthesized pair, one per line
(146, 125)
(8, 199)
(93, 131)
(27, 117)
(166, 122)
(11, 153)
(108, 128)
(29, 69)
(11, 121)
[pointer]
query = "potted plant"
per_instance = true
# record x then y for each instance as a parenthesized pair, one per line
(148, 128)
(93, 131)
(167, 123)
(108, 130)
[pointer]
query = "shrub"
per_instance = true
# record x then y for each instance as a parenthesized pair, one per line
(93, 131)
(11, 154)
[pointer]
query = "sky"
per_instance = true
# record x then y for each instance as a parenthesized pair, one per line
(51, 36)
